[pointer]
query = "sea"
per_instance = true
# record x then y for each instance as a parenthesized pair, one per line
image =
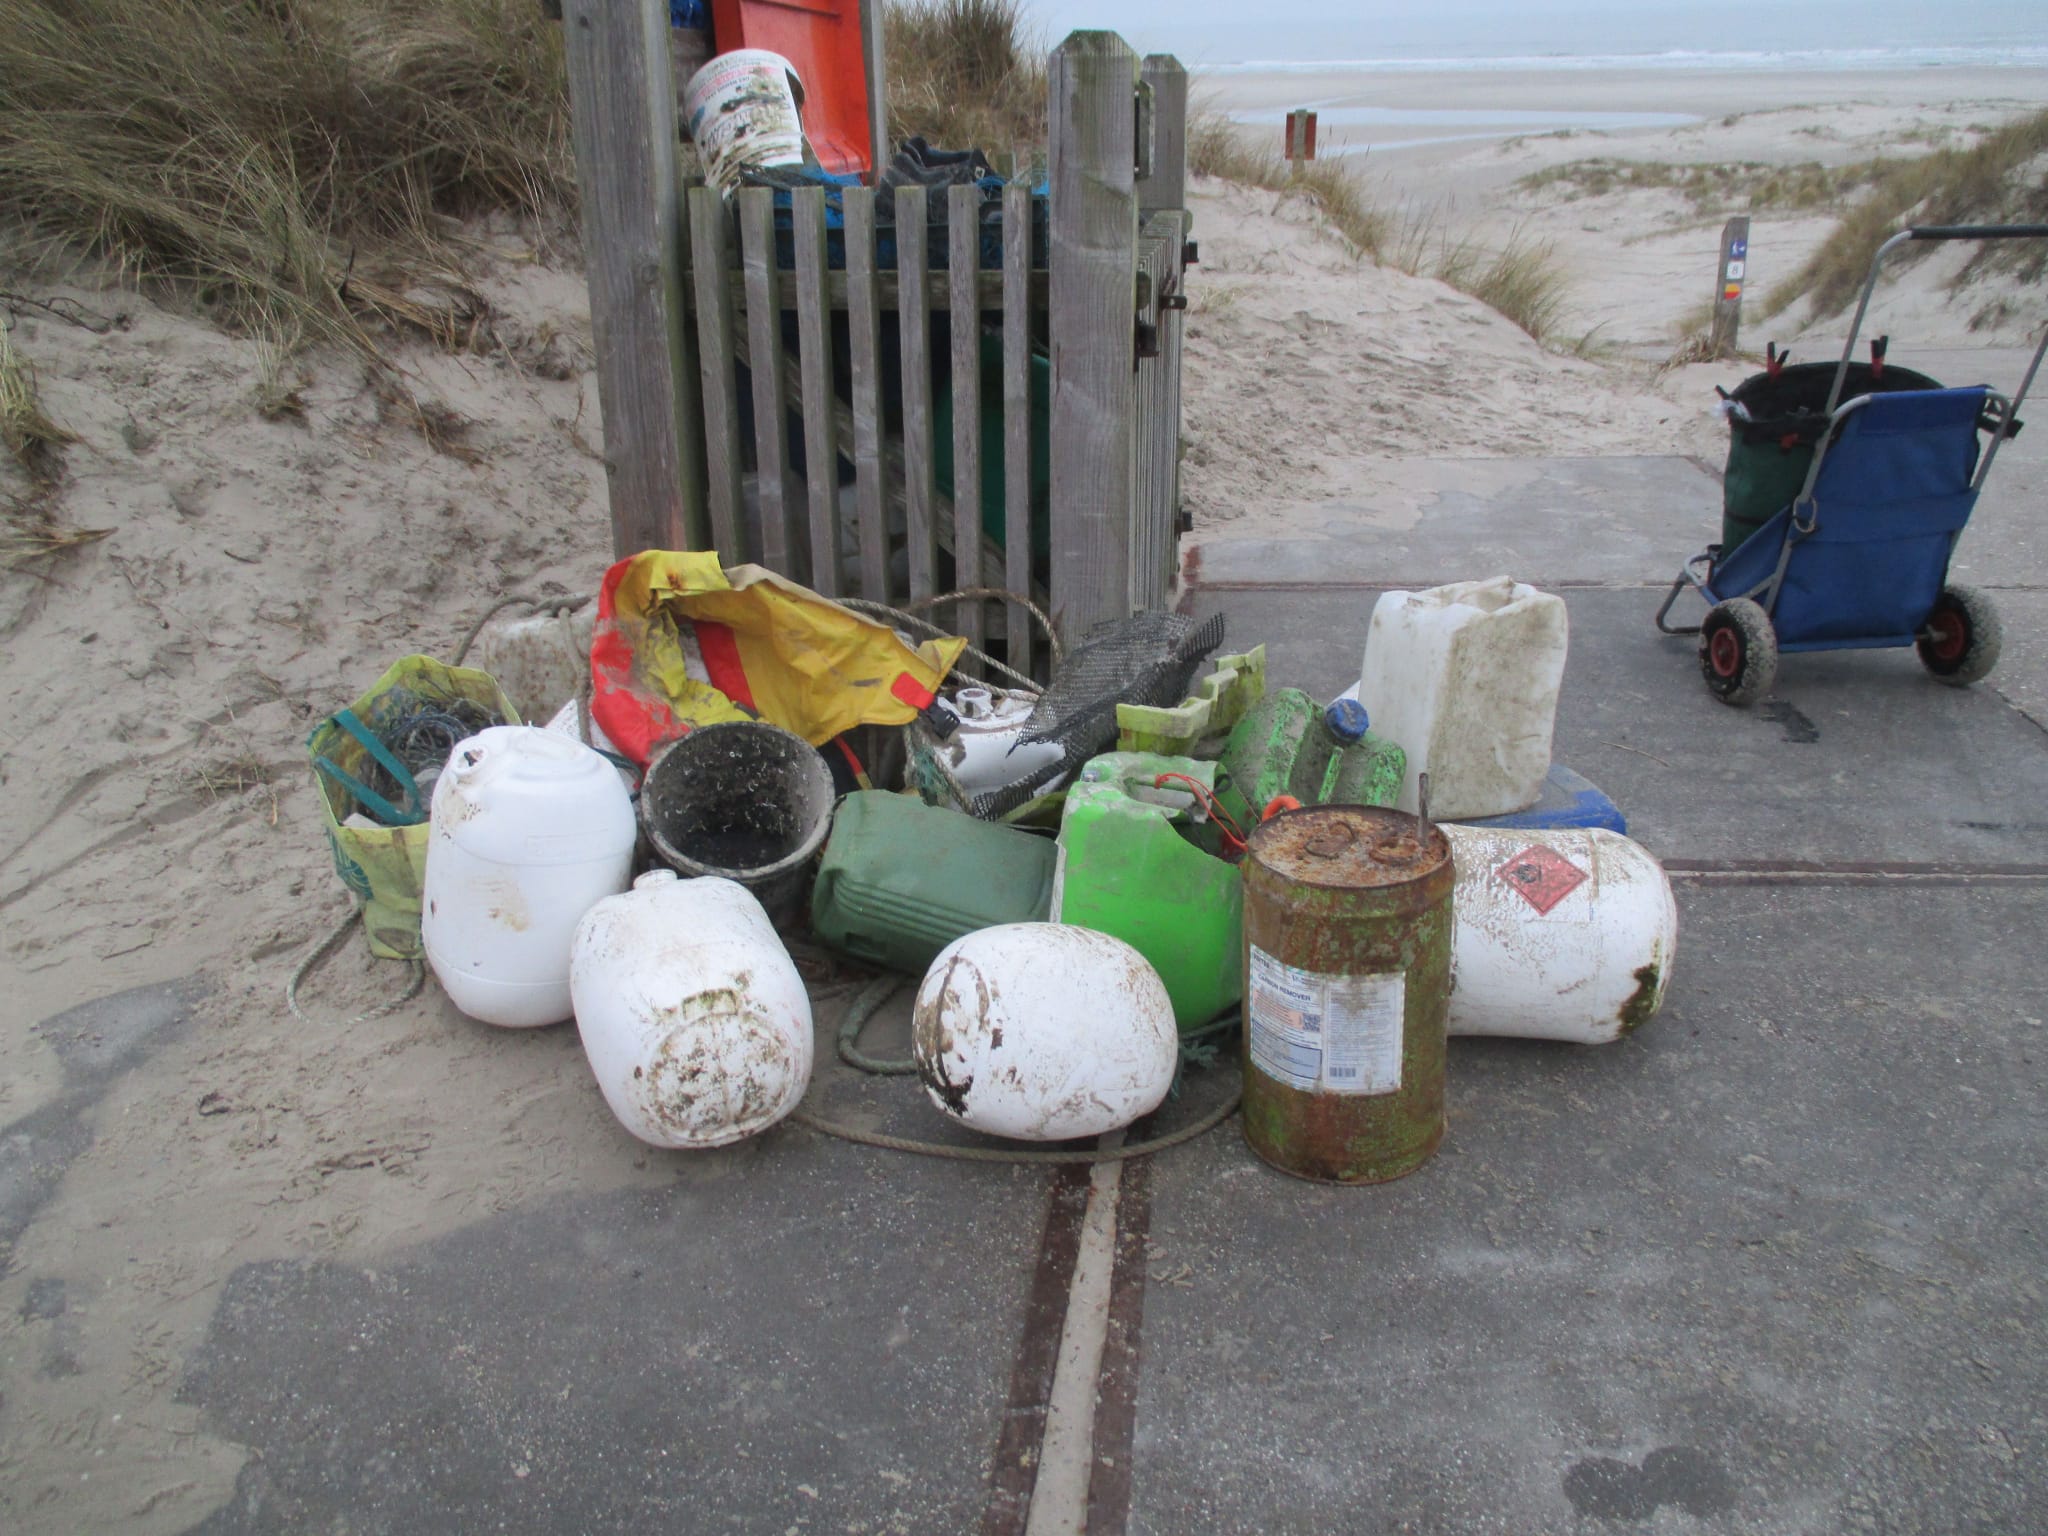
(1457, 35)
(1381, 38)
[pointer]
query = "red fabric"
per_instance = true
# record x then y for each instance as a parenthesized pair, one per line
(911, 691)
(634, 723)
(722, 664)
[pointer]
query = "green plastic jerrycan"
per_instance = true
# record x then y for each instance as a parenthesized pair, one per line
(901, 880)
(1126, 870)
(1288, 744)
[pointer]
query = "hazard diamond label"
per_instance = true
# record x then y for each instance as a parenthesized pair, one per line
(1543, 876)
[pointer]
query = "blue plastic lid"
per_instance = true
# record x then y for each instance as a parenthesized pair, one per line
(1347, 720)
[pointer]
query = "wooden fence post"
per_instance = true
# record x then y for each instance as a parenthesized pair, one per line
(1092, 92)
(623, 118)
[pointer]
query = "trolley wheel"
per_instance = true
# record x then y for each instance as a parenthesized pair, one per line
(1738, 651)
(1960, 641)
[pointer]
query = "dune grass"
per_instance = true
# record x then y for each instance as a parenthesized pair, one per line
(253, 153)
(2002, 178)
(34, 441)
(1217, 147)
(1521, 278)
(967, 74)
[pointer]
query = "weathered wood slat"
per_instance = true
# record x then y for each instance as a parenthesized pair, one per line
(820, 405)
(1091, 83)
(963, 258)
(623, 122)
(1167, 186)
(782, 547)
(1017, 419)
(939, 289)
(864, 321)
(708, 243)
(914, 335)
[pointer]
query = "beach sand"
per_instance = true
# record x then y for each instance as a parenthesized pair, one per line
(261, 572)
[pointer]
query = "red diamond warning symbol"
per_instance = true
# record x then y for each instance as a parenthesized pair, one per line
(1543, 876)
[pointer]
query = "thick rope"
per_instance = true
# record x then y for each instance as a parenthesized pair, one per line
(313, 961)
(1187, 1133)
(559, 605)
(865, 1005)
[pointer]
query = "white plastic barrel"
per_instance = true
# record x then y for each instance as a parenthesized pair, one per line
(1464, 678)
(1557, 935)
(743, 113)
(1043, 1032)
(693, 1016)
(530, 828)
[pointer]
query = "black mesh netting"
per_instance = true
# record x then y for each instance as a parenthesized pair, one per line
(1151, 658)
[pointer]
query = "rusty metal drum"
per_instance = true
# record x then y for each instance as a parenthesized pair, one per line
(1347, 933)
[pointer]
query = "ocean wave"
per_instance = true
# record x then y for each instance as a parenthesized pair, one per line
(1819, 59)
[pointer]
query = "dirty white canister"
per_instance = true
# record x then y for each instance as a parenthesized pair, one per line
(693, 1016)
(529, 829)
(1557, 935)
(1464, 679)
(1044, 1032)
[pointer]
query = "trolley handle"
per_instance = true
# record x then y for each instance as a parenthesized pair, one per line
(1979, 232)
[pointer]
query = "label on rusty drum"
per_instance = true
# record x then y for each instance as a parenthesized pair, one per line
(1322, 1033)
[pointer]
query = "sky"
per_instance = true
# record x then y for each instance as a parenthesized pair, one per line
(1228, 31)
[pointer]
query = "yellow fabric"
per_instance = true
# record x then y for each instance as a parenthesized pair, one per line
(812, 667)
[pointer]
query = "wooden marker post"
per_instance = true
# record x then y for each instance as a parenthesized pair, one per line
(1301, 138)
(1728, 283)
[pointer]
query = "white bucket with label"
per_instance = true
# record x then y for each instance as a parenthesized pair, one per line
(530, 829)
(742, 110)
(1044, 1032)
(986, 753)
(1557, 935)
(693, 1016)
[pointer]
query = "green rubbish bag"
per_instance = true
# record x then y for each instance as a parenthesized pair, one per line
(385, 866)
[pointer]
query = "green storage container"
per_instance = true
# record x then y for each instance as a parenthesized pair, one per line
(1288, 744)
(1126, 870)
(901, 879)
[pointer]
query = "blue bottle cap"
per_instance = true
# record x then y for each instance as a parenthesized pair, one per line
(1347, 720)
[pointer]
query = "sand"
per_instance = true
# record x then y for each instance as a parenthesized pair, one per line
(159, 821)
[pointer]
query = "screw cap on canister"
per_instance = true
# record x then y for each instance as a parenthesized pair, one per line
(1347, 721)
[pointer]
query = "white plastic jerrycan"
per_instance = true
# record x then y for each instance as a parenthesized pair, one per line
(530, 828)
(693, 1016)
(1465, 679)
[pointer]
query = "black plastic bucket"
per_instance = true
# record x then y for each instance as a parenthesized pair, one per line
(745, 800)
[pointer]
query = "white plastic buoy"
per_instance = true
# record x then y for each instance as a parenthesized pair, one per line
(1464, 679)
(693, 1016)
(529, 829)
(1557, 935)
(1044, 1032)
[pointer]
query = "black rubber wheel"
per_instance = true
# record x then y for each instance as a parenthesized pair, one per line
(1738, 651)
(1960, 641)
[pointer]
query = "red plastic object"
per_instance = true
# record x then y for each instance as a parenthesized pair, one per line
(822, 38)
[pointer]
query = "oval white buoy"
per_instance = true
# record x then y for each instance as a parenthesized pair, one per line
(1044, 1032)
(529, 829)
(693, 1016)
(1558, 934)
